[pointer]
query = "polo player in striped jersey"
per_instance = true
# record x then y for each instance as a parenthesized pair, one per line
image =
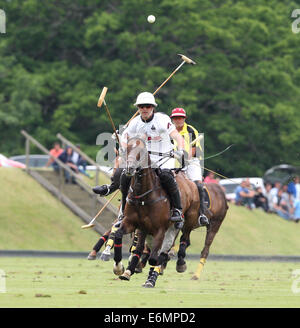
(193, 171)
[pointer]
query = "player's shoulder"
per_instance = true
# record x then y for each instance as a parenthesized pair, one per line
(134, 121)
(190, 128)
(161, 115)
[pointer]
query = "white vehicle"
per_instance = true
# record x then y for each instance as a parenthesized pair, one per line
(230, 186)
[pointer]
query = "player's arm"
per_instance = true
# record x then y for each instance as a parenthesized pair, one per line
(179, 139)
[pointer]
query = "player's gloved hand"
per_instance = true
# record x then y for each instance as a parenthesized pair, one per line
(181, 155)
(113, 136)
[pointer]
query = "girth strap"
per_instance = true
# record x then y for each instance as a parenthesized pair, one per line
(144, 202)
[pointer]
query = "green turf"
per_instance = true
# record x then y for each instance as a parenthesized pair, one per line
(41, 282)
(31, 218)
(251, 232)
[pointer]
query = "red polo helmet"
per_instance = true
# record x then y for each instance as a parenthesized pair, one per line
(178, 112)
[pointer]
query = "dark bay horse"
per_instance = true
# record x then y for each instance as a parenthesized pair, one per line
(148, 208)
(217, 214)
(218, 211)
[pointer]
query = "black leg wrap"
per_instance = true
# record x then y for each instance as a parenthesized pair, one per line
(118, 250)
(134, 261)
(100, 243)
(163, 259)
(181, 251)
(144, 258)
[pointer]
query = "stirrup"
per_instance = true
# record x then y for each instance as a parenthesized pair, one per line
(203, 220)
(178, 217)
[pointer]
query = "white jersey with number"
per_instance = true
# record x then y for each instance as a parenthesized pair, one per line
(157, 132)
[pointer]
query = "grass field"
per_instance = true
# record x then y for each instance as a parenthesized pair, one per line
(31, 218)
(42, 282)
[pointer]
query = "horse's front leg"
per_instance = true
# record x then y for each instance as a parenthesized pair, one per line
(123, 229)
(136, 254)
(157, 243)
(184, 243)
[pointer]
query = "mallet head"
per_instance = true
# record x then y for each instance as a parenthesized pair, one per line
(187, 59)
(102, 96)
(87, 226)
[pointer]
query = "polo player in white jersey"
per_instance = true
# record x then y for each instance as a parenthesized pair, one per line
(158, 129)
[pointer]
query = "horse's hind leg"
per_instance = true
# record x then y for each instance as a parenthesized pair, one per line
(184, 243)
(212, 229)
(98, 245)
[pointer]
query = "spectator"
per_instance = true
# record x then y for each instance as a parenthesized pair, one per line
(275, 189)
(260, 200)
(80, 162)
(244, 196)
(210, 178)
(270, 197)
(281, 206)
(296, 210)
(56, 151)
(66, 157)
(294, 188)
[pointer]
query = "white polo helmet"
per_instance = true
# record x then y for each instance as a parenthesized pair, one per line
(145, 98)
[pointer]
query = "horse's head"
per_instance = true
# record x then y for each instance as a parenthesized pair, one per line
(137, 157)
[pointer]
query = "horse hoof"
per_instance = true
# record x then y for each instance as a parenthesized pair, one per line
(105, 256)
(194, 277)
(148, 284)
(118, 269)
(181, 268)
(92, 257)
(126, 275)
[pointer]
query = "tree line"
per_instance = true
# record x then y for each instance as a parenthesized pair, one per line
(57, 55)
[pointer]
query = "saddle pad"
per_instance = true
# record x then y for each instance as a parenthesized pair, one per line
(207, 197)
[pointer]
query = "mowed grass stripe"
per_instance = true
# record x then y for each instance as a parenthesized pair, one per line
(44, 282)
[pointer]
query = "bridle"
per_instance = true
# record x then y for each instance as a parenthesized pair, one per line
(138, 173)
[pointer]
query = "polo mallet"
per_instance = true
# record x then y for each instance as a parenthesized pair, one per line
(185, 59)
(101, 101)
(91, 224)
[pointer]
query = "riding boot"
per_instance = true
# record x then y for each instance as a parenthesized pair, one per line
(105, 190)
(177, 215)
(168, 182)
(202, 220)
(124, 187)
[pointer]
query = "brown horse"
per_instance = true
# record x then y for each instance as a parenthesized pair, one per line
(148, 207)
(218, 211)
(217, 214)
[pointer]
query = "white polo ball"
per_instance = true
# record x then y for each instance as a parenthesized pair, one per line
(151, 19)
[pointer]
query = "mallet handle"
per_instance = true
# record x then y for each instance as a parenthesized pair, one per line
(154, 93)
(102, 209)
